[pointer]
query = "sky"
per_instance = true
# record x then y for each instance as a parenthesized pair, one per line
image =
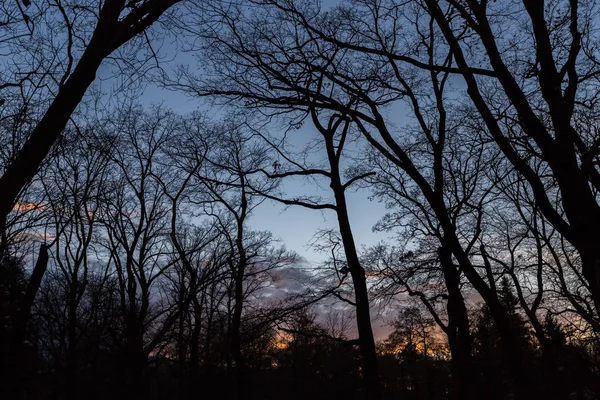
(294, 226)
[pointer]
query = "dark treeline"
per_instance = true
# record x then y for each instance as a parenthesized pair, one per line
(132, 261)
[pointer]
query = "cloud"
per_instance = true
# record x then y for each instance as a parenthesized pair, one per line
(296, 278)
(24, 207)
(289, 280)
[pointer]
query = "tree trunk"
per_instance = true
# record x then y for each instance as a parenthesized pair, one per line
(16, 372)
(194, 349)
(459, 335)
(30, 157)
(366, 340)
(363, 314)
(111, 31)
(71, 375)
(513, 351)
(240, 273)
(236, 322)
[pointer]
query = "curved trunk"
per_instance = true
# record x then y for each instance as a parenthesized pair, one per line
(366, 339)
(35, 149)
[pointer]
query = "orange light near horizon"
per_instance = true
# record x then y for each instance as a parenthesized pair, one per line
(280, 345)
(24, 207)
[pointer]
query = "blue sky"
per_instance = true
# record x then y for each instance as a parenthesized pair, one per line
(294, 225)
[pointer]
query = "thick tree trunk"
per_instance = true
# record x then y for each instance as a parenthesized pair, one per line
(112, 30)
(559, 149)
(366, 339)
(195, 349)
(16, 371)
(583, 214)
(239, 369)
(35, 149)
(513, 351)
(459, 335)
(135, 360)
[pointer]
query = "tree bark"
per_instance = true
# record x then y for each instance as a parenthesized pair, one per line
(363, 313)
(35, 149)
(513, 351)
(14, 364)
(366, 339)
(459, 335)
(112, 31)
(236, 320)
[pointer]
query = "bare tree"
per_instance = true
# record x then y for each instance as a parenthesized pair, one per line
(555, 60)
(136, 218)
(322, 75)
(226, 189)
(71, 68)
(75, 185)
(333, 137)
